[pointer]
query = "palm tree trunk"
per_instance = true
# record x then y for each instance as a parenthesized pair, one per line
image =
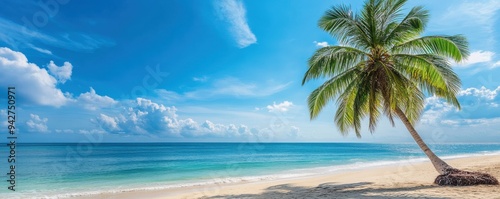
(441, 166)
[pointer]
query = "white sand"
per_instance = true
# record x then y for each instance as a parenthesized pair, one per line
(411, 180)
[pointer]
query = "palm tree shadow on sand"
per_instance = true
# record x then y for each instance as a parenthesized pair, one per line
(331, 190)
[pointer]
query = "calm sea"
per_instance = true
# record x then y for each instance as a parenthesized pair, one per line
(64, 170)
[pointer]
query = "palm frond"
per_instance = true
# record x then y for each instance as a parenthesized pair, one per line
(332, 60)
(342, 23)
(420, 69)
(409, 28)
(329, 90)
(344, 116)
(454, 47)
(432, 73)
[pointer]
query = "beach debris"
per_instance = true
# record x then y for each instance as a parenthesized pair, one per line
(456, 177)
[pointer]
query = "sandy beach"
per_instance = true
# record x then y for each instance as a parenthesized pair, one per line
(404, 180)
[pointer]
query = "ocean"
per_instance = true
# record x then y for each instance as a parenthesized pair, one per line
(65, 170)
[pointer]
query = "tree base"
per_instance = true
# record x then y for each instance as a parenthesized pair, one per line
(455, 177)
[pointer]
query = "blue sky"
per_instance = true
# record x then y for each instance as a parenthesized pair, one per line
(228, 70)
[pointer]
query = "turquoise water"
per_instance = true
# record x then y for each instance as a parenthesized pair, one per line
(80, 169)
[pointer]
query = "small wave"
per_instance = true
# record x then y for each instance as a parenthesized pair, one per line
(465, 155)
(216, 181)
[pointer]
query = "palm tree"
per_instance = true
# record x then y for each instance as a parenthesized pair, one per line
(383, 66)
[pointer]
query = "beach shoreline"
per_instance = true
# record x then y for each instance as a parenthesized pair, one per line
(399, 180)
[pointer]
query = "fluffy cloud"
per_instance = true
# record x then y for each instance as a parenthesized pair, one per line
(39, 86)
(479, 106)
(149, 118)
(279, 108)
(191, 128)
(32, 82)
(92, 101)
(108, 122)
(480, 101)
(481, 92)
(62, 73)
(477, 57)
(321, 44)
(216, 128)
(233, 12)
(145, 117)
(37, 124)
(435, 109)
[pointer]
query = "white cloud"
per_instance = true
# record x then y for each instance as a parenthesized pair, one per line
(145, 117)
(31, 82)
(321, 44)
(191, 128)
(281, 107)
(481, 122)
(92, 101)
(200, 79)
(108, 122)
(264, 134)
(481, 92)
(64, 131)
(450, 122)
(40, 87)
(63, 73)
(478, 105)
(477, 57)
(37, 124)
(92, 131)
(211, 126)
(233, 11)
(496, 64)
(244, 131)
(436, 108)
(45, 51)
